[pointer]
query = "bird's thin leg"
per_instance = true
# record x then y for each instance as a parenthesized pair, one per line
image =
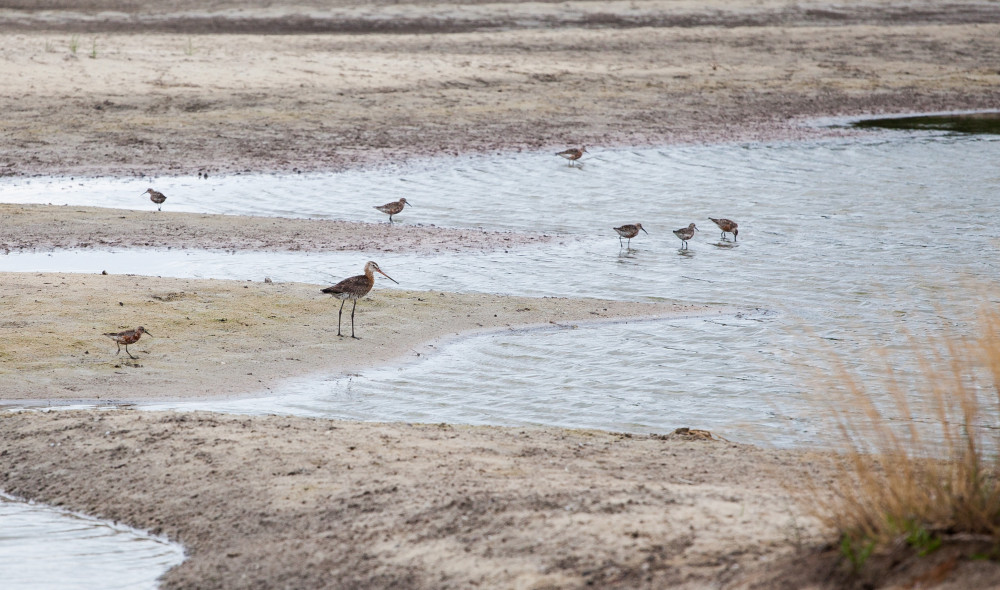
(352, 319)
(129, 353)
(119, 348)
(620, 245)
(340, 314)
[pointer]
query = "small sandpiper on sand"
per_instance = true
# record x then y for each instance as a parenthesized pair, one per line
(628, 231)
(127, 337)
(727, 226)
(685, 234)
(393, 208)
(156, 197)
(355, 288)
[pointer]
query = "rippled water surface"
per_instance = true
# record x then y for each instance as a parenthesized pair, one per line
(44, 547)
(845, 246)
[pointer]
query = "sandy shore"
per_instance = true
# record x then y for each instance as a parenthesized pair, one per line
(270, 502)
(214, 338)
(136, 88)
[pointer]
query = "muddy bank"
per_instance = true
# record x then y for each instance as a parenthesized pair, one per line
(277, 502)
(269, 502)
(133, 103)
(46, 227)
(423, 18)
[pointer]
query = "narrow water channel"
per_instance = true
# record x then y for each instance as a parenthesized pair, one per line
(846, 247)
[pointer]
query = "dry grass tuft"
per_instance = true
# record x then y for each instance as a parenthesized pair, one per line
(920, 464)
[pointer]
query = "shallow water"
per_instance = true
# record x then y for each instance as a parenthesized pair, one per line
(844, 246)
(45, 547)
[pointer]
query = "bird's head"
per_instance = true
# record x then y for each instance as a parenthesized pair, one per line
(372, 266)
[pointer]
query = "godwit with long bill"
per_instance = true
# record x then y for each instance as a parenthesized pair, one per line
(355, 288)
(629, 231)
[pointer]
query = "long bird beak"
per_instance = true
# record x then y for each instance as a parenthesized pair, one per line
(387, 276)
(147, 333)
(644, 230)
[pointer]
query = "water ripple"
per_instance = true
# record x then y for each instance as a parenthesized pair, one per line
(45, 547)
(845, 246)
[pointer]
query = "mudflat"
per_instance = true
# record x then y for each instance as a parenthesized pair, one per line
(136, 88)
(141, 88)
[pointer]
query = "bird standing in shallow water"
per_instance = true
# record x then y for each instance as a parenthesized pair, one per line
(355, 288)
(572, 154)
(726, 225)
(156, 197)
(628, 231)
(127, 337)
(393, 207)
(685, 234)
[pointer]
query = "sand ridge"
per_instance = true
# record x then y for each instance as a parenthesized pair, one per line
(163, 101)
(222, 338)
(47, 227)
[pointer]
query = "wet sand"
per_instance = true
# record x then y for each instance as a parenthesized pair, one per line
(141, 88)
(47, 227)
(216, 338)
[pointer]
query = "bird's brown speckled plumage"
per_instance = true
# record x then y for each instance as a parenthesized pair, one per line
(727, 226)
(393, 208)
(156, 197)
(355, 288)
(685, 234)
(572, 154)
(127, 337)
(629, 230)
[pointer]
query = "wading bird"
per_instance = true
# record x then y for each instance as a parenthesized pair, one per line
(685, 234)
(127, 337)
(572, 154)
(628, 231)
(355, 288)
(156, 197)
(393, 208)
(727, 226)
